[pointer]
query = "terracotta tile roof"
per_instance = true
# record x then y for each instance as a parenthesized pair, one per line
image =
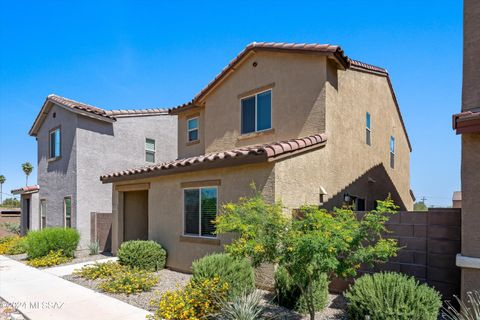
(136, 112)
(78, 105)
(108, 115)
(26, 189)
(367, 67)
(466, 122)
(266, 152)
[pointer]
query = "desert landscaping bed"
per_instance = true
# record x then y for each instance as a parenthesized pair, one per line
(171, 280)
(81, 258)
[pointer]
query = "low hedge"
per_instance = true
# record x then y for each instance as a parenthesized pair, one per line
(142, 254)
(392, 295)
(41, 243)
(289, 295)
(237, 273)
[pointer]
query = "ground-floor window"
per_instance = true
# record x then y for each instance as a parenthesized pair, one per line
(200, 209)
(43, 213)
(67, 209)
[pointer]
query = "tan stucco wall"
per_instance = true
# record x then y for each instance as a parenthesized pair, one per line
(298, 101)
(349, 157)
(470, 198)
(347, 162)
(471, 55)
(186, 149)
(165, 207)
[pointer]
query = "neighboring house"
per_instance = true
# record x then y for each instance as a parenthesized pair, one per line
(78, 142)
(29, 218)
(467, 123)
(305, 123)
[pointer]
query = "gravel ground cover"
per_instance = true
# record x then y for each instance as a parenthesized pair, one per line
(8, 312)
(171, 280)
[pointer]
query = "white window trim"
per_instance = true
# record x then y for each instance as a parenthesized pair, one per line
(43, 213)
(65, 212)
(256, 119)
(392, 152)
(196, 128)
(50, 143)
(199, 212)
(154, 150)
(368, 129)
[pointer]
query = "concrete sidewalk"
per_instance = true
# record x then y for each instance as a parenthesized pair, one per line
(40, 295)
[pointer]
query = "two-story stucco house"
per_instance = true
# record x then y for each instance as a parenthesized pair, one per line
(77, 143)
(303, 122)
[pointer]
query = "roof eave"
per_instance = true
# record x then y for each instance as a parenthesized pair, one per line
(47, 105)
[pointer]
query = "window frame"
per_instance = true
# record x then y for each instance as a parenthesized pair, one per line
(392, 151)
(50, 132)
(199, 213)
(368, 127)
(65, 212)
(154, 151)
(256, 106)
(196, 128)
(43, 213)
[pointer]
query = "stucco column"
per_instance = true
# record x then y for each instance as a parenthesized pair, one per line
(469, 258)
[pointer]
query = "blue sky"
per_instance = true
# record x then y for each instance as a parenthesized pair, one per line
(116, 54)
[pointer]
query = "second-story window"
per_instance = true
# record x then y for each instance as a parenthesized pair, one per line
(392, 152)
(368, 132)
(256, 112)
(192, 129)
(149, 150)
(54, 143)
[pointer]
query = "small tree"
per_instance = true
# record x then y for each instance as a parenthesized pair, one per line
(319, 242)
(420, 206)
(27, 169)
(2, 181)
(11, 202)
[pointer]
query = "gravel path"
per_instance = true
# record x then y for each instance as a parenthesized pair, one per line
(169, 280)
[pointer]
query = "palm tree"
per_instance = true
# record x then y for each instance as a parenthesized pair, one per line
(2, 181)
(27, 169)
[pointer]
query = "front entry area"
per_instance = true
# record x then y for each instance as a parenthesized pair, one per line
(135, 215)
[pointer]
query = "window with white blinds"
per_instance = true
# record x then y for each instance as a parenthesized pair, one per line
(200, 210)
(149, 150)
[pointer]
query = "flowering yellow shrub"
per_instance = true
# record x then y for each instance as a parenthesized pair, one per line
(129, 281)
(12, 245)
(100, 270)
(196, 301)
(52, 259)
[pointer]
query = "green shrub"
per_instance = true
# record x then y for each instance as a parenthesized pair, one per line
(100, 270)
(94, 248)
(392, 296)
(290, 296)
(147, 255)
(40, 243)
(238, 273)
(244, 307)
